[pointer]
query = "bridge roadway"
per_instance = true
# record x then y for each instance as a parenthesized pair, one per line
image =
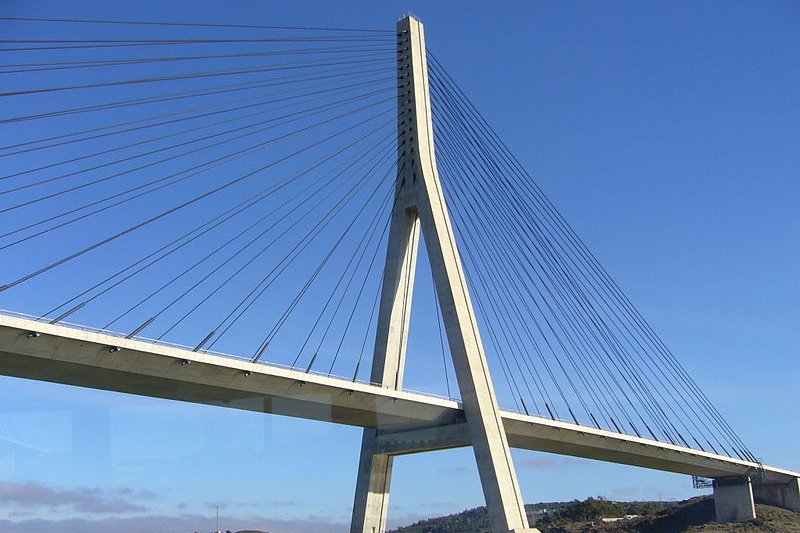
(408, 422)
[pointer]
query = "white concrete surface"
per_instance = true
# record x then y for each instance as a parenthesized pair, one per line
(72, 356)
(421, 203)
(733, 500)
(785, 495)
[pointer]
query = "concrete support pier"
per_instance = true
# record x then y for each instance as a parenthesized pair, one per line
(733, 499)
(786, 496)
(371, 506)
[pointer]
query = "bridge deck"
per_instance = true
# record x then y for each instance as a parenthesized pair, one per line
(80, 357)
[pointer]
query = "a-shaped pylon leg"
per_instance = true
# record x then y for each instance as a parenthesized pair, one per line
(421, 202)
(371, 506)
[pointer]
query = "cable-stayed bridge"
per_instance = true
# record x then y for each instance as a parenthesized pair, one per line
(269, 192)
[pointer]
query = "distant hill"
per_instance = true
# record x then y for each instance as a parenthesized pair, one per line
(477, 520)
(691, 516)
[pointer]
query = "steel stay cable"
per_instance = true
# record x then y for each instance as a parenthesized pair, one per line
(271, 213)
(161, 215)
(72, 63)
(270, 191)
(217, 162)
(129, 44)
(107, 134)
(248, 262)
(209, 225)
(508, 293)
(701, 446)
(531, 338)
(466, 155)
(373, 312)
(439, 195)
(189, 41)
(448, 233)
(192, 172)
(102, 63)
(583, 249)
(545, 337)
(260, 288)
(372, 229)
(107, 207)
(219, 89)
(623, 391)
(678, 433)
(200, 75)
(445, 162)
(500, 237)
(186, 237)
(516, 350)
(310, 281)
(381, 238)
(516, 394)
(230, 277)
(314, 96)
(345, 36)
(361, 253)
(655, 405)
(297, 299)
(612, 341)
(503, 235)
(438, 312)
(372, 318)
(165, 41)
(448, 164)
(299, 115)
(193, 24)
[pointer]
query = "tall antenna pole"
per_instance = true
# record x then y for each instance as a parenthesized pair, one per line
(421, 206)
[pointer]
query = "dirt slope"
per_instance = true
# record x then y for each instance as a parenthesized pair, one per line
(692, 516)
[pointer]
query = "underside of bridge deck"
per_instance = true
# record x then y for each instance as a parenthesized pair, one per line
(407, 422)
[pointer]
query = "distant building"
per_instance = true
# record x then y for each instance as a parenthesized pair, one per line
(617, 519)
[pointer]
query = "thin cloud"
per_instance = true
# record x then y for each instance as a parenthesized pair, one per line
(82, 500)
(265, 504)
(173, 523)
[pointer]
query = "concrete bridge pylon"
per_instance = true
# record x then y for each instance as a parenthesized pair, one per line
(420, 206)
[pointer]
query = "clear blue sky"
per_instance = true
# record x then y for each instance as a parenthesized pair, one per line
(667, 134)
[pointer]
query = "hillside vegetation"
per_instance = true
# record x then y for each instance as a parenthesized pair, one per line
(691, 516)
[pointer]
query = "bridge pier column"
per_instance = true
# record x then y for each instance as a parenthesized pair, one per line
(371, 506)
(733, 499)
(785, 496)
